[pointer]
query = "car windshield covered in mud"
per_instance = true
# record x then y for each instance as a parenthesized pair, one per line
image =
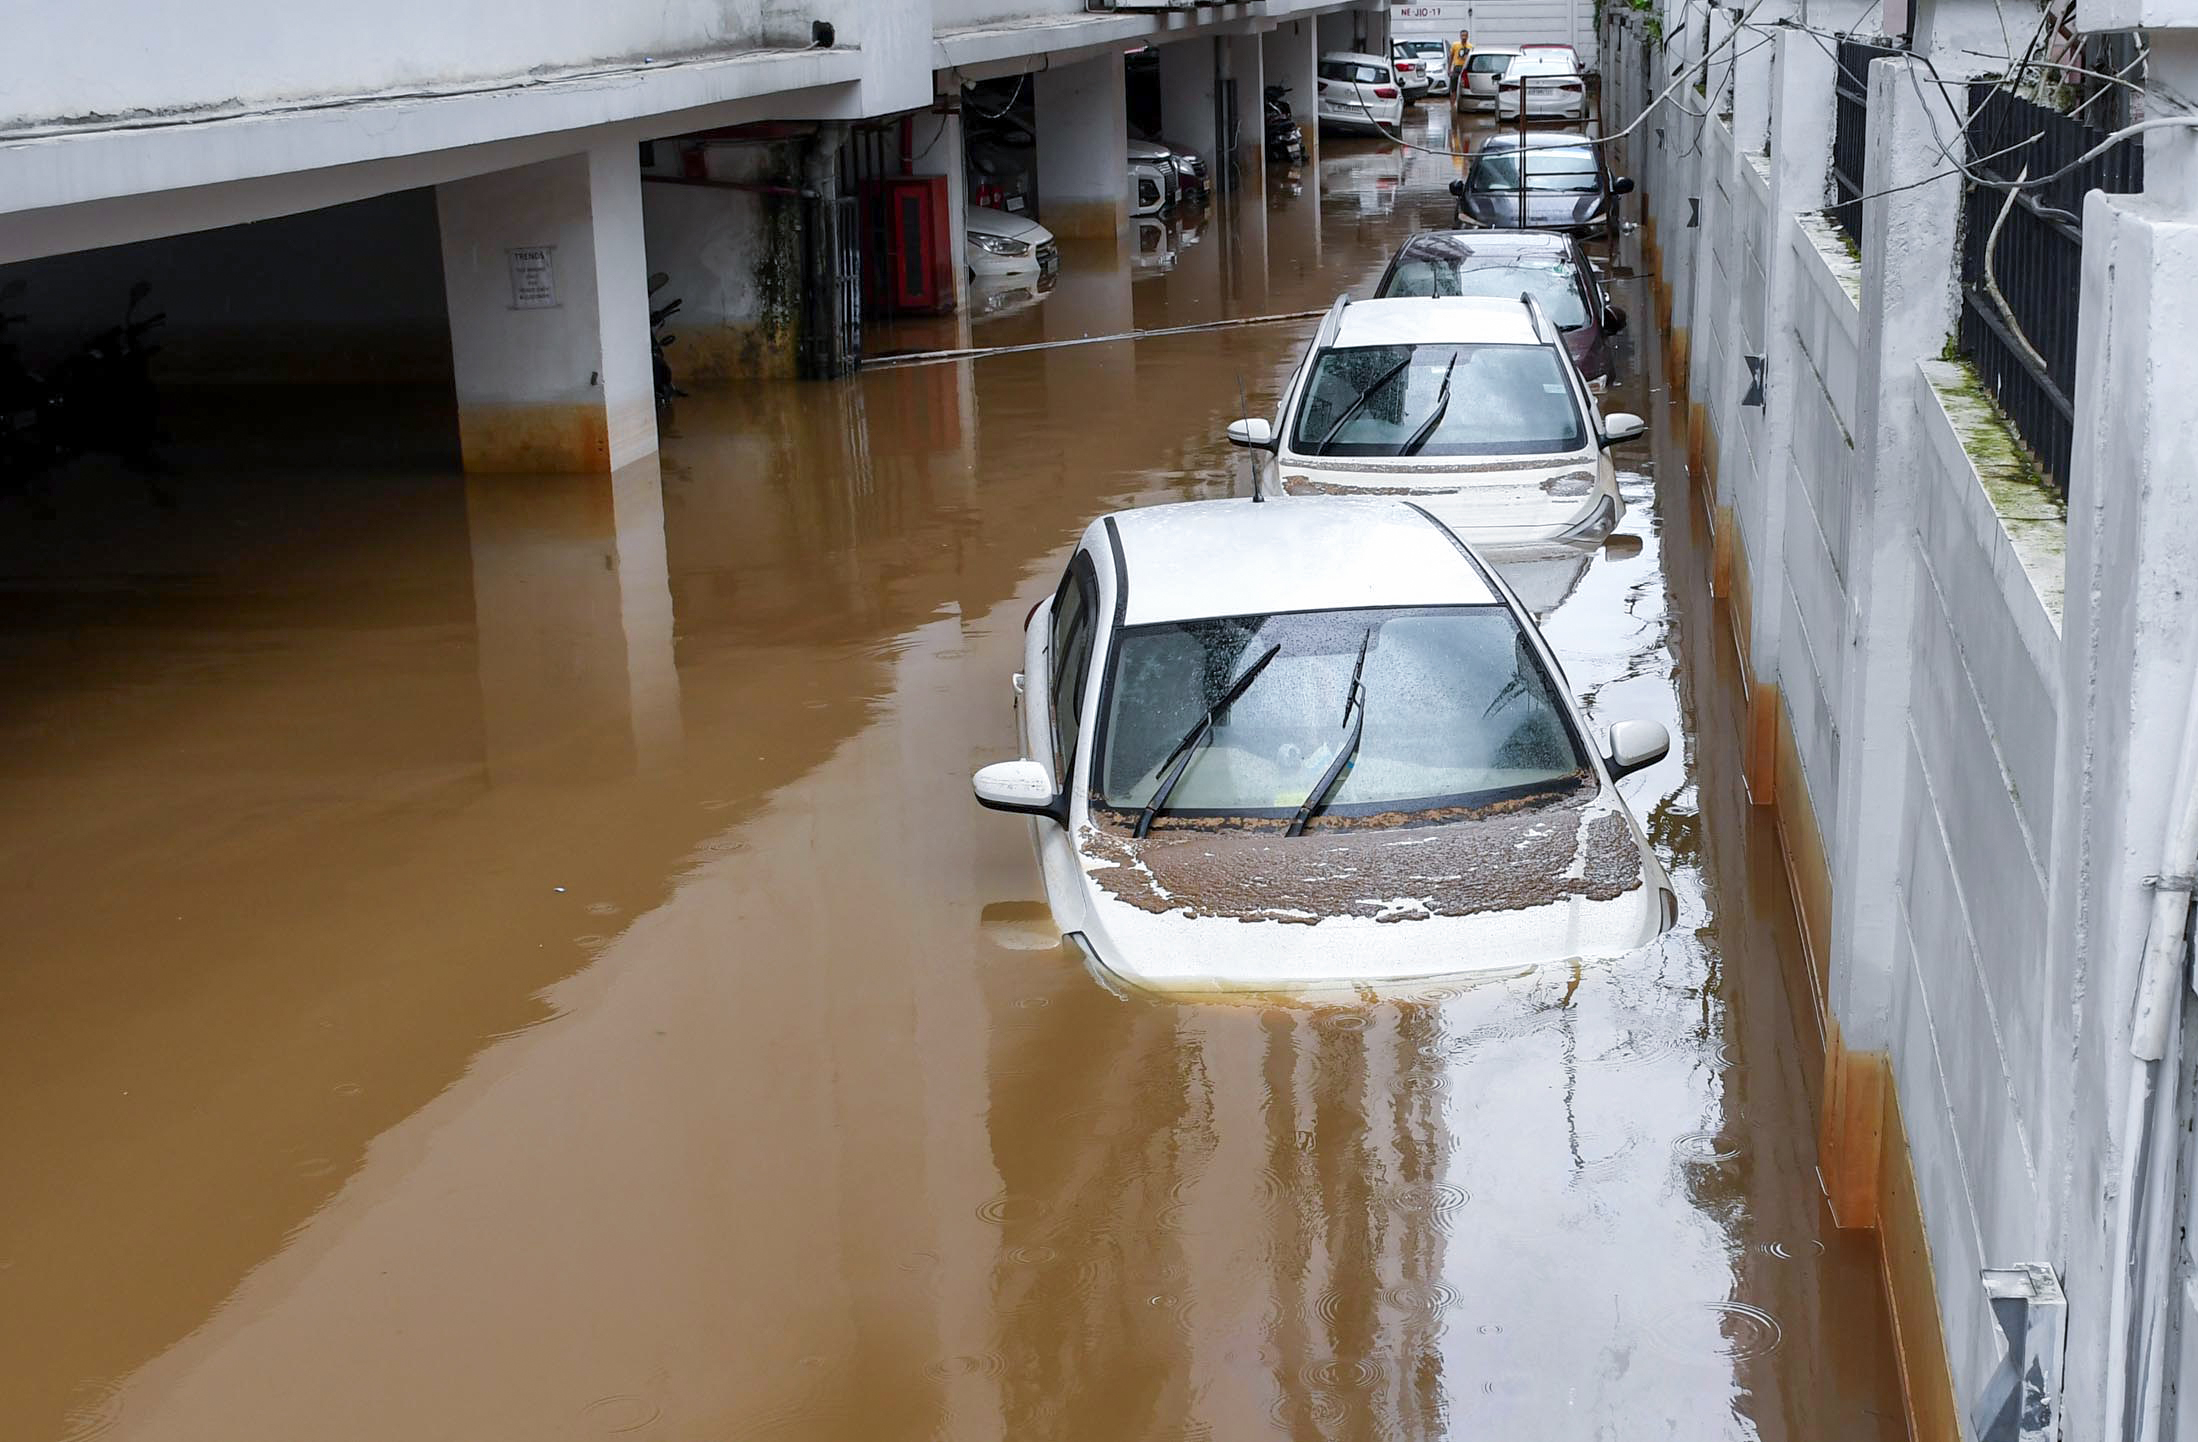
(1410, 711)
(1256, 735)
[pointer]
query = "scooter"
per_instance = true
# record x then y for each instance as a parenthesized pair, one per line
(103, 398)
(658, 340)
(1285, 140)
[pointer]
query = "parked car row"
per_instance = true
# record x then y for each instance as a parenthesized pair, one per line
(1313, 739)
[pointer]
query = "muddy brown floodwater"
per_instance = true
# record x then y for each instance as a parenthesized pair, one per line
(517, 958)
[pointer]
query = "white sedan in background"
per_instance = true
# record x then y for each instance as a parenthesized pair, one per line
(1294, 748)
(1003, 245)
(1547, 82)
(1470, 406)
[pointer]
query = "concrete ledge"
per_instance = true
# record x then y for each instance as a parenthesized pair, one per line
(2015, 514)
(164, 154)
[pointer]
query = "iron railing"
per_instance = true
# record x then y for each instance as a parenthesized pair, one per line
(2037, 262)
(1851, 130)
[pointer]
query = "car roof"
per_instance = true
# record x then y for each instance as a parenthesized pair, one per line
(1488, 242)
(1544, 60)
(1355, 55)
(1196, 559)
(1438, 320)
(1495, 50)
(1539, 140)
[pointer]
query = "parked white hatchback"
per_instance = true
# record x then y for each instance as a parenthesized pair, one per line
(1471, 406)
(1359, 92)
(1291, 748)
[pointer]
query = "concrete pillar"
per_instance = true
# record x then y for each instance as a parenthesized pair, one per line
(1247, 117)
(546, 280)
(2130, 656)
(1910, 262)
(1292, 58)
(1801, 119)
(1083, 148)
(938, 151)
(1188, 110)
(573, 620)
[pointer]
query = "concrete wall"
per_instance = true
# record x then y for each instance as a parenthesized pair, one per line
(733, 258)
(1876, 503)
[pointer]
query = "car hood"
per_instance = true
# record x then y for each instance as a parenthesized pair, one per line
(1151, 153)
(984, 220)
(1495, 501)
(1500, 208)
(1498, 888)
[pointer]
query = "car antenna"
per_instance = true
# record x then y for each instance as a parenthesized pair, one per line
(1243, 408)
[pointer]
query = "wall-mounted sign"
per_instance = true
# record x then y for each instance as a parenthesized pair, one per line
(533, 287)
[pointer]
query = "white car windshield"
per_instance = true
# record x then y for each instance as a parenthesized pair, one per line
(1548, 169)
(1456, 710)
(1551, 281)
(1437, 400)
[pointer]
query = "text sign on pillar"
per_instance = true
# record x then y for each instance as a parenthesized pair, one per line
(533, 287)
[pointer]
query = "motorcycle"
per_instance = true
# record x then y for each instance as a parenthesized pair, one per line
(658, 340)
(103, 398)
(1285, 138)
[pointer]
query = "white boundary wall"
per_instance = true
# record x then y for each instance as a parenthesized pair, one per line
(1897, 579)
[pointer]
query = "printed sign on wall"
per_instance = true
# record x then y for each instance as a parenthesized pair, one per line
(533, 287)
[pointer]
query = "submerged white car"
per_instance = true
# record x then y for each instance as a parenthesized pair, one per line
(1003, 245)
(1294, 747)
(1471, 406)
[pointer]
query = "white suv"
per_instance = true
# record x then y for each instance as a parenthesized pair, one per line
(1359, 92)
(1470, 406)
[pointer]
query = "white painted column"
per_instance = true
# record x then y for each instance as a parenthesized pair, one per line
(938, 151)
(1247, 66)
(1801, 120)
(1083, 148)
(546, 280)
(1292, 58)
(1188, 113)
(2130, 654)
(1910, 264)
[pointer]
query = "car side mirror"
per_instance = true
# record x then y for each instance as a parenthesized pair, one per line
(1622, 426)
(1614, 319)
(1457, 188)
(1254, 432)
(1623, 185)
(1633, 745)
(1022, 787)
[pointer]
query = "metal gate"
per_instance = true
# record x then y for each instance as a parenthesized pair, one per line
(831, 322)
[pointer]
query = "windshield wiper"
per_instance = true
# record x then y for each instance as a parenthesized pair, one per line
(1434, 419)
(1358, 403)
(1354, 711)
(1180, 758)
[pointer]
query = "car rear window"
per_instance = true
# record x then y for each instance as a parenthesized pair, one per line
(1354, 74)
(1485, 63)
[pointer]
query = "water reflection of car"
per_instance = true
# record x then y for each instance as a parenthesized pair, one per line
(1358, 92)
(1276, 748)
(995, 296)
(1566, 186)
(1156, 248)
(1468, 406)
(1003, 245)
(1504, 264)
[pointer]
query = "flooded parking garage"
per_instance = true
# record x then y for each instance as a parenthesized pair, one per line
(516, 957)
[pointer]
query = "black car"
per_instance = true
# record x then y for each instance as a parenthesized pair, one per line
(1567, 187)
(1504, 265)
